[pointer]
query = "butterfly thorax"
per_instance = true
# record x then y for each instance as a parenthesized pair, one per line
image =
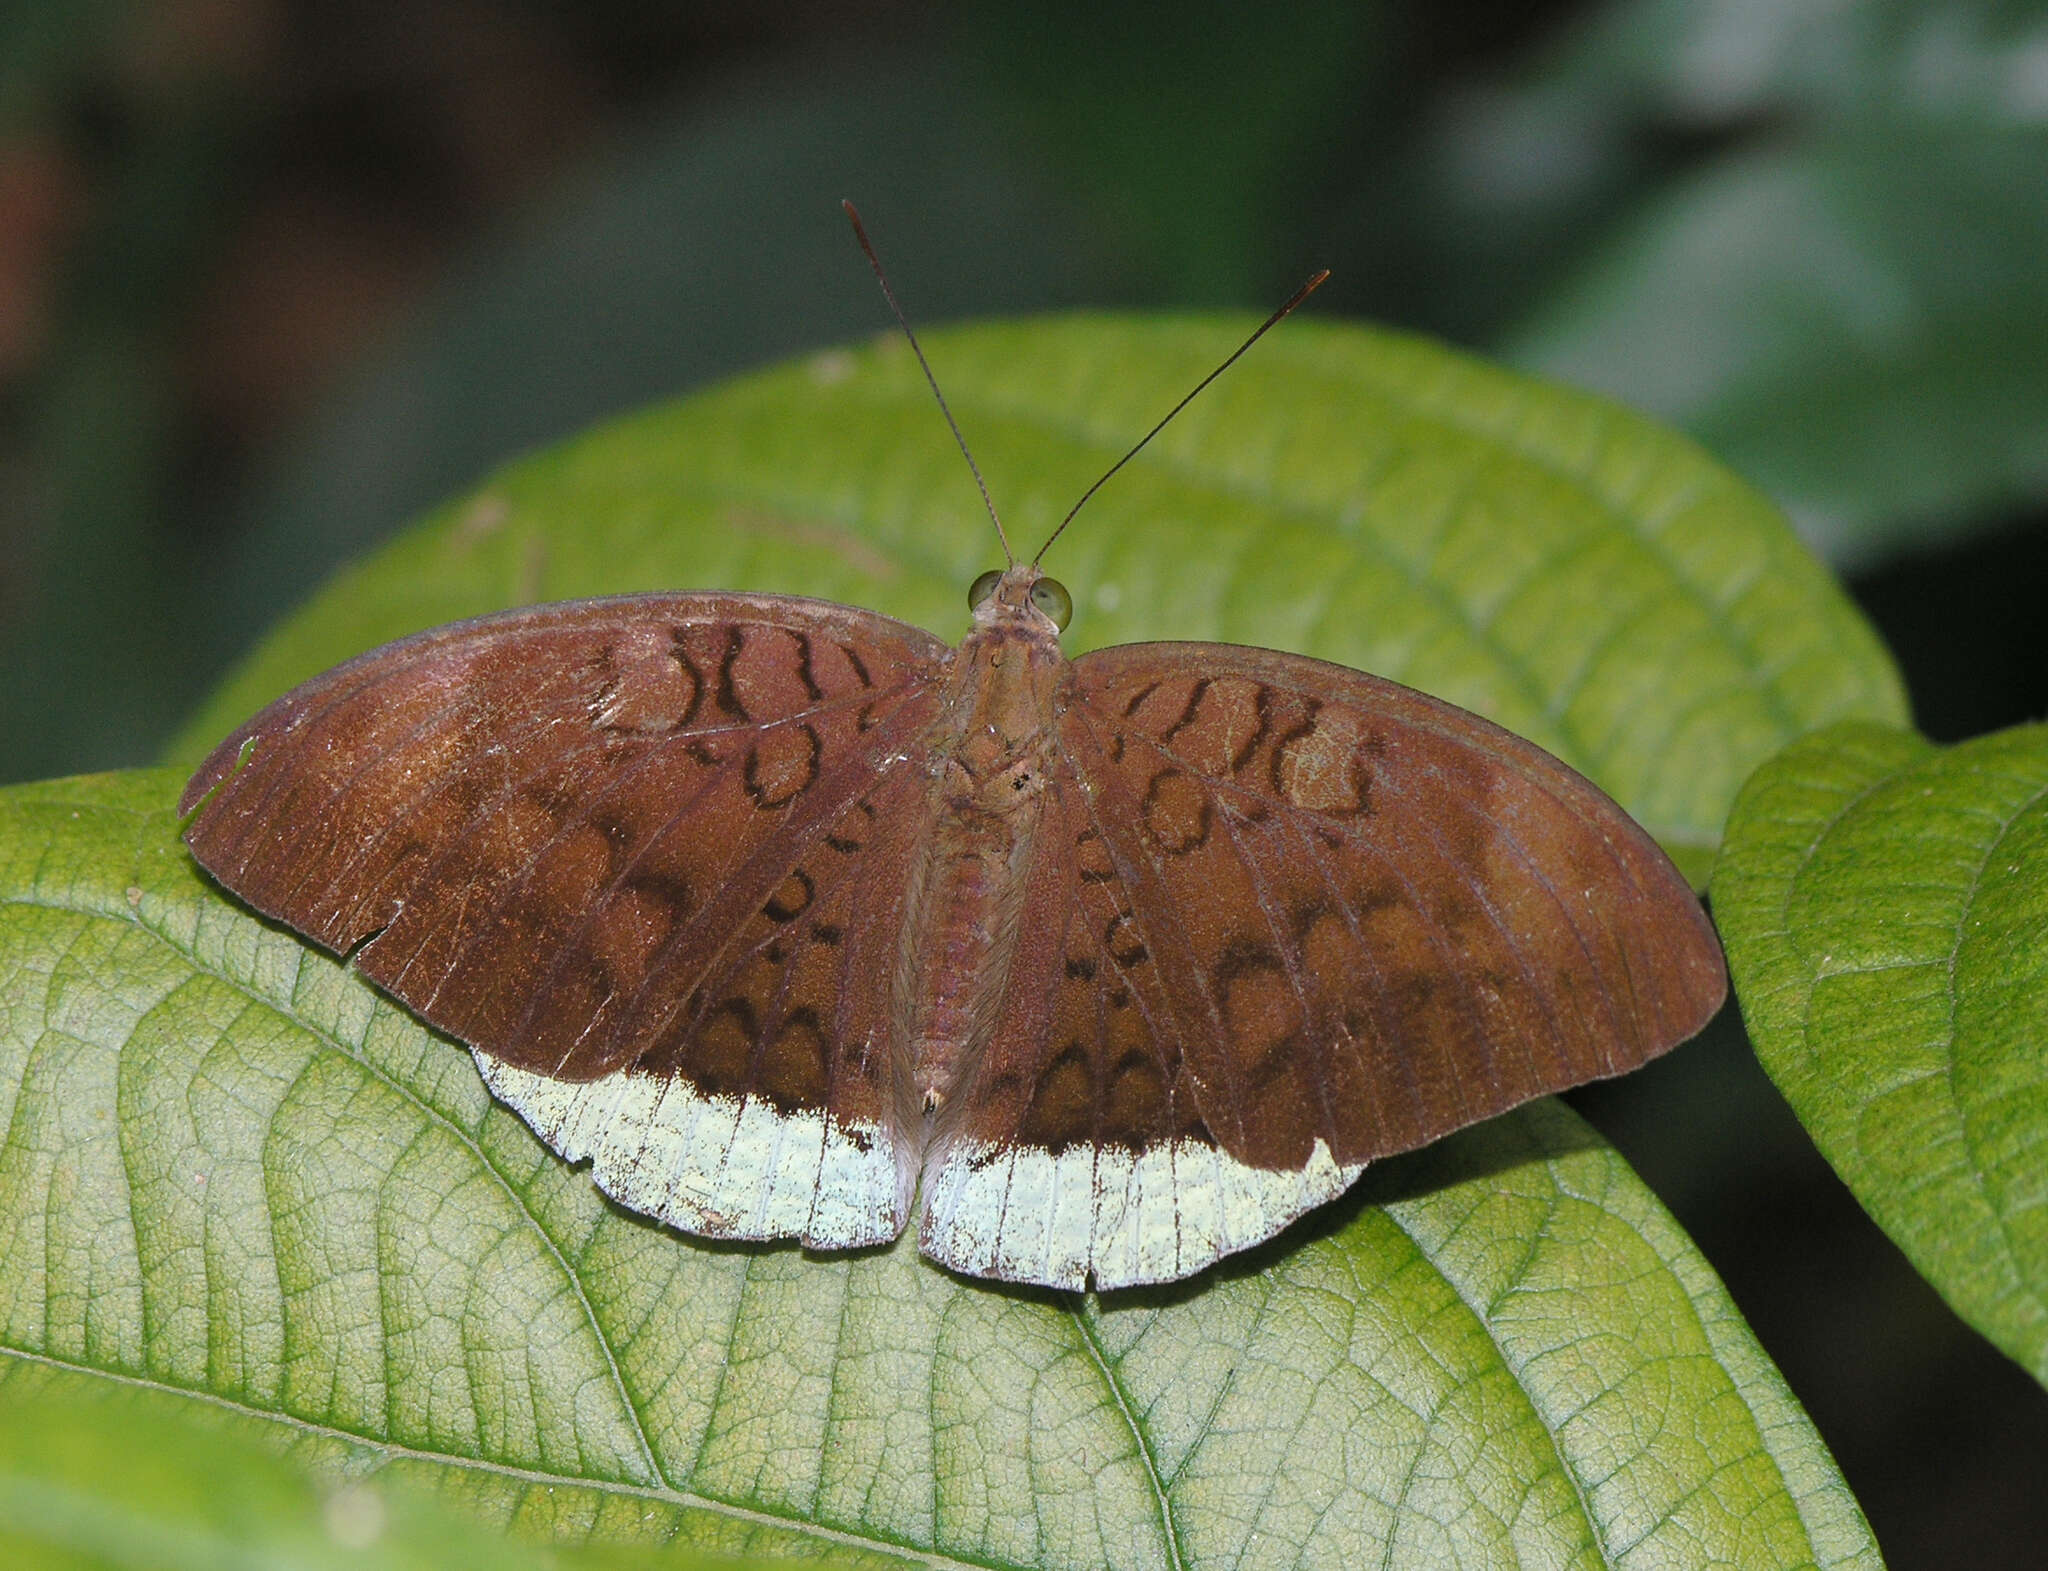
(991, 751)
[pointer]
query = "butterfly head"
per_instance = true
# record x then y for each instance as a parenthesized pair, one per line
(1020, 593)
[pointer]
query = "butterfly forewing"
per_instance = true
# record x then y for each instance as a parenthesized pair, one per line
(617, 846)
(1397, 917)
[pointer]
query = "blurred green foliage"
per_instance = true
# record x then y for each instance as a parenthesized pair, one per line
(99, 1475)
(1846, 300)
(1805, 231)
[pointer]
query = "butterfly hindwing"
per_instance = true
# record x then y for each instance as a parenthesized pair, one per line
(580, 837)
(1082, 1151)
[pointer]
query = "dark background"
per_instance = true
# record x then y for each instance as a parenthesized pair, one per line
(277, 274)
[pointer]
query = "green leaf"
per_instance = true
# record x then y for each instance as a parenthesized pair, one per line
(237, 1177)
(106, 1473)
(1856, 320)
(1885, 907)
(1722, 64)
(1577, 573)
(96, 1475)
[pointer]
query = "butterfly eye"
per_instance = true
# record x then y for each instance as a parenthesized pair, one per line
(983, 587)
(1051, 597)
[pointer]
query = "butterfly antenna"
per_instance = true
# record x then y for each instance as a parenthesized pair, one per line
(902, 321)
(1272, 321)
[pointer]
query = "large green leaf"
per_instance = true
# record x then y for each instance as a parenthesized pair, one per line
(1587, 578)
(1885, 907)
(232, 1171)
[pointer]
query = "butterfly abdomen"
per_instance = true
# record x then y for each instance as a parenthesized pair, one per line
(959, 939)
(963, 918)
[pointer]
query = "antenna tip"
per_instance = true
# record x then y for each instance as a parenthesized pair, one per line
(860, 233)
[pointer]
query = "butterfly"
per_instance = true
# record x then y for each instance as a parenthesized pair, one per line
(791, 918)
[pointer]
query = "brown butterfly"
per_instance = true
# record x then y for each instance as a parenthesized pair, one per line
(775, 909)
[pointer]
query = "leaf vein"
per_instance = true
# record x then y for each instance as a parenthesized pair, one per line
(1092, 1346)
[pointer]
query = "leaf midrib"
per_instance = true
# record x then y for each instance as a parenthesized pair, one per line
(665, 1490)
(1092, 1346)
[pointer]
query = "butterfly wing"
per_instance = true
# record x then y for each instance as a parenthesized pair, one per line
(614, 845)
(1300, 918)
